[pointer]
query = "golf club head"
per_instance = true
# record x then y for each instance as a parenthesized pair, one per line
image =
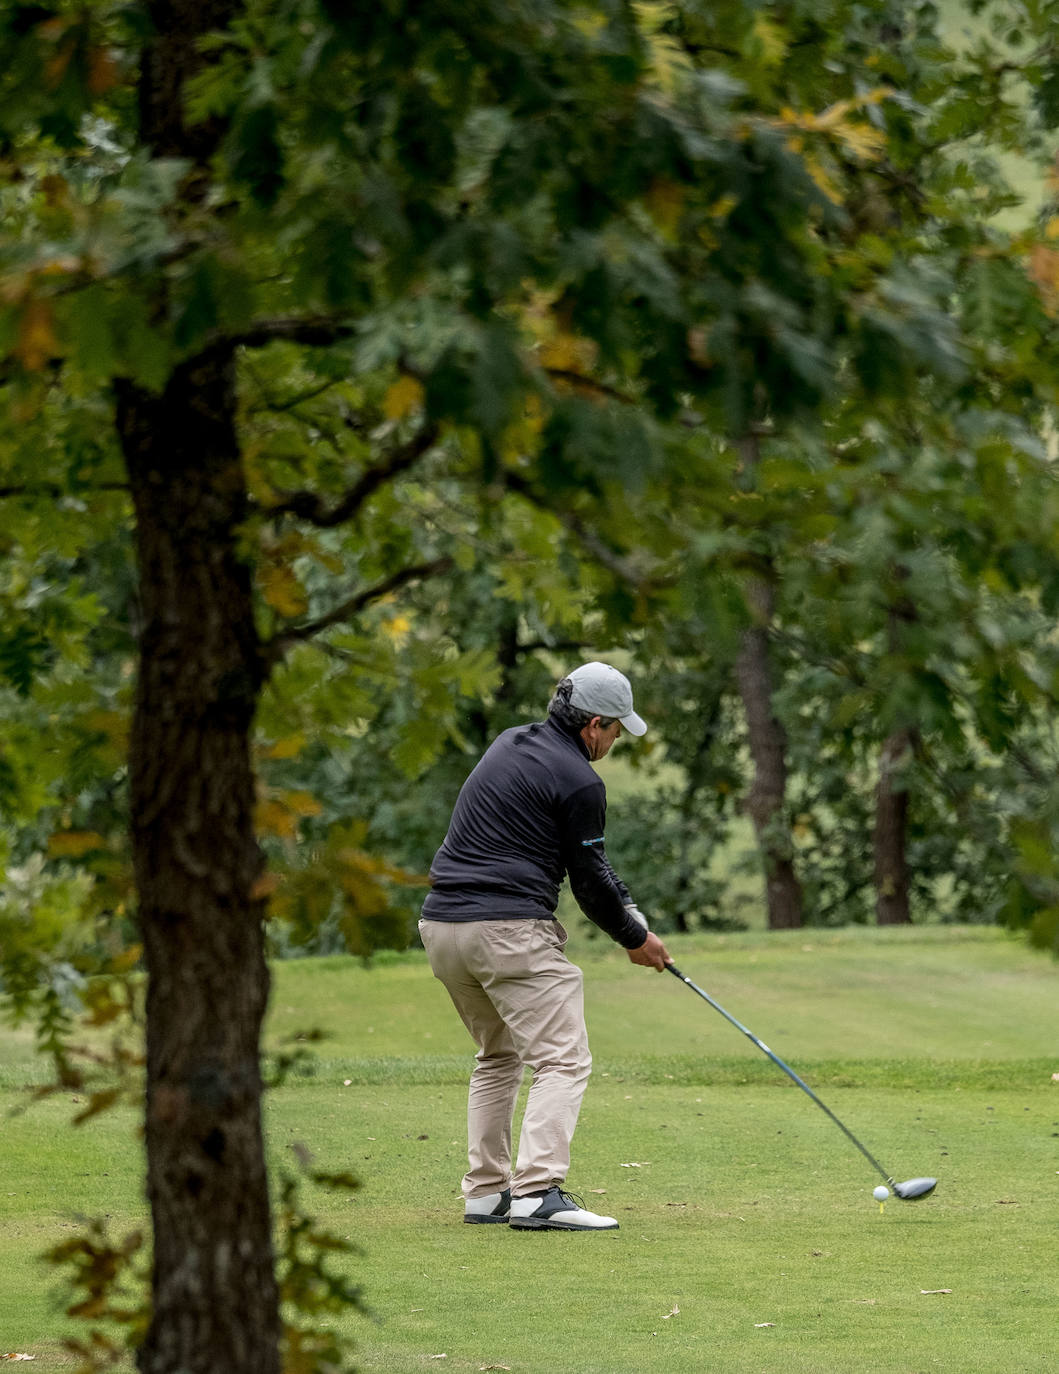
(915, 1188)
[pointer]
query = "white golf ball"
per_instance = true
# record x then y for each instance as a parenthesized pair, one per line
(881, 1193)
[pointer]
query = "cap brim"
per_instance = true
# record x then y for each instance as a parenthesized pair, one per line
(634, 724)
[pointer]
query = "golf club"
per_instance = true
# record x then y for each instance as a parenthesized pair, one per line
(909, 1191)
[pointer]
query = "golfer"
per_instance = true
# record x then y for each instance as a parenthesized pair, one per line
(531, 811)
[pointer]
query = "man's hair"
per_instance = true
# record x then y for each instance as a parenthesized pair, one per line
(570, 717)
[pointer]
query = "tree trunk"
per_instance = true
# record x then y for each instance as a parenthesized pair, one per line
(891, 817)
(891, 793)
(197, 864)
(687, 902)
(768, 748)
(215, 1303)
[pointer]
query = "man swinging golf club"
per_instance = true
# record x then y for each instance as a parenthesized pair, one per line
(531, 811)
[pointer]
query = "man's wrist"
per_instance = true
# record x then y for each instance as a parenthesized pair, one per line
(637, 915)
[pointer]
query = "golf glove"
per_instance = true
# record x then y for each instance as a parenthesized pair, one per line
(637, 915)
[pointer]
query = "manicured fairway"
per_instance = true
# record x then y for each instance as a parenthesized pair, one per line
(749, 1238)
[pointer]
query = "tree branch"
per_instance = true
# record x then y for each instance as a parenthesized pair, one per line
(601, 552)
(274, 649)
(307, 505)
(589, 384)
(292, 403)
(317, 331)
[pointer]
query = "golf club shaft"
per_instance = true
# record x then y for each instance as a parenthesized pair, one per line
(786, 1069)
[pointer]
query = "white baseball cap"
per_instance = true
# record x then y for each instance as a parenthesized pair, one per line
(602, 690)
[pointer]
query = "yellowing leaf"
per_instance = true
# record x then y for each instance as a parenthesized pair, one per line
(273, 818)
(288, 748)
(282, 590)
(1044, 269)
(665, 201)
(862, 140)
(127, 959)
(590, 24)
(402, 398)
(820, 176)
(568, 353)
(264, 886)
(771, 42)
(859, 138)
(74, 844)
(397, 628)
(301, 803)
(103, 71)
(668, 59)
(36, 341)
(113, 724)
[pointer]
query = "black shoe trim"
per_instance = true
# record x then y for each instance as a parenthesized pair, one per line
(499, 1212)
(555, 1200)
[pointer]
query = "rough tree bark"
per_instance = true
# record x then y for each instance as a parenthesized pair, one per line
(197, 862)
(214, 1293)
(768, 749)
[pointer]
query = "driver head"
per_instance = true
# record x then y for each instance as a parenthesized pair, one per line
(915, 1188)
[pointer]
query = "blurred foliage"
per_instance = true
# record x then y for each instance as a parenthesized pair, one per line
(535, 325)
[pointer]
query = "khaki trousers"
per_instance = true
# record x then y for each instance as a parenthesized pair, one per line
(522, 1001)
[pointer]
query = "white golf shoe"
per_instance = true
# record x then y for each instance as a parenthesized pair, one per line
(487, 1210)
(556, 1210)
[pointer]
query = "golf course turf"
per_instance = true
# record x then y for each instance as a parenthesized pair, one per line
(749, 1237)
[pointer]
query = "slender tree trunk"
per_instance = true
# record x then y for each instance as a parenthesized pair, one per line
(687, 902)
(765, 801)
(891, 816)
(197, 862)
(768, 749)
(891, 793)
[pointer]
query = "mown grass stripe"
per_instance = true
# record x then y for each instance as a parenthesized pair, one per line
(689, 1070)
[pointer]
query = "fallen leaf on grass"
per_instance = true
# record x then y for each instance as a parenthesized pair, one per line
(758, 1325)
(494, 1366)
(633, 1165)
(1055, 1077)
(597, 1190)
(437, 1357)
(675, 1313)
(928, 1291)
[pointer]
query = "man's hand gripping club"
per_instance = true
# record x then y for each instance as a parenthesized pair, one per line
(652, 953)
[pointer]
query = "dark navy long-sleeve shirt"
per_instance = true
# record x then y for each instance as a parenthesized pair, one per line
(532, 810)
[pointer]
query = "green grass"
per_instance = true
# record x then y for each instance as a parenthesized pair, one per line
(936, 1046)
